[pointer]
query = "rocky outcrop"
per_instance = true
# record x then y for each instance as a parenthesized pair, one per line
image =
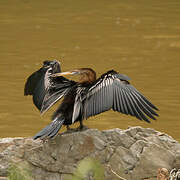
(135, 153)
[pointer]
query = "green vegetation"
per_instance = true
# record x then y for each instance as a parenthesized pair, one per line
(86, 168)
(18, 172)
(89, 167)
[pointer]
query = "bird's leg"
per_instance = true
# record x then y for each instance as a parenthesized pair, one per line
(82, 127)
(69, 130)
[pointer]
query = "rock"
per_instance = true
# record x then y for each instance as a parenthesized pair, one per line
(136, 153)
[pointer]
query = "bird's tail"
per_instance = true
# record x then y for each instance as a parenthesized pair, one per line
(51, 130)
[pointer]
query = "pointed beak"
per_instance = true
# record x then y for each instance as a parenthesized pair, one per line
(65, 73)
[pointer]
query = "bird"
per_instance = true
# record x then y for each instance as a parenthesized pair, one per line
(85, 98)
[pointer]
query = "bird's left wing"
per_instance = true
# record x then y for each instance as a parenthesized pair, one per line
(113, 91)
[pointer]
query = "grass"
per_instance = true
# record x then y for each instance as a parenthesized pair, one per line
(88, 167)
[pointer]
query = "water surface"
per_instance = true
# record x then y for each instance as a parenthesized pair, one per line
(140, 39)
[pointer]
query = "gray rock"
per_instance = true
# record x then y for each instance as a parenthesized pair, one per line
(135, 153)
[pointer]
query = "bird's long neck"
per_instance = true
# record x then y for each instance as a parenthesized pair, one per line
(88, 77)
(91, 78)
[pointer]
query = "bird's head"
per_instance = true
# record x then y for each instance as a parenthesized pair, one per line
(86, 74)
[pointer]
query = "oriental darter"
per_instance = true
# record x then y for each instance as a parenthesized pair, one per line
(88, 97)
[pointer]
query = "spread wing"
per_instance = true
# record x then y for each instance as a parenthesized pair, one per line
(46, 90)
(113, 91)
(35, 86)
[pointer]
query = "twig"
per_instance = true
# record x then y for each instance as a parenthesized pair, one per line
(115, 172)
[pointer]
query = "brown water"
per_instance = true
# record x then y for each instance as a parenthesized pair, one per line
(138, 38)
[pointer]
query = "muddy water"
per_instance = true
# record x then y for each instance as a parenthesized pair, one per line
(140, 39)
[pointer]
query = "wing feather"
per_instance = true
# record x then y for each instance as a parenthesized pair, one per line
(123, 102)
(113, 91)
(46, 91)
(115, 105)
(117, 99)
(135, 106)
(35, 86)
(145, 108)
(144, 104)
(58, 88)
(136, 110)
(129, 105)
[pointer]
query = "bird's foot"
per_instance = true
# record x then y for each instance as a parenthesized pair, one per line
(82, 128)
(70, 130)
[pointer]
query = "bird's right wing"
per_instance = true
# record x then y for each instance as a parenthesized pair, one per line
(47, 90)
(35, 86)
(113, 91)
